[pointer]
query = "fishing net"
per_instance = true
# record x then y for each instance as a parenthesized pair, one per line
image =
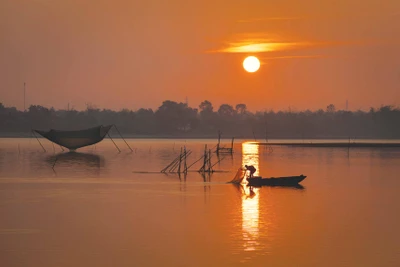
(239, 176)
(76, 139)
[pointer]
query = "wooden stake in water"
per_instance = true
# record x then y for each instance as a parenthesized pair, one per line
(219, 140)
(185, 163)
(180, 162)
(209, 161)
(203, 168)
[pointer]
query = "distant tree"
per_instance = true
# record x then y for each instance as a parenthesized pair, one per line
(177, 118)
(173, 116)
(331, 108)
(144, 121)
(226, 110)
(386, 109)
(206, 107)
(241, 108)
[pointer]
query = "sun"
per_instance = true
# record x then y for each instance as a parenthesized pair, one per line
(251, 64)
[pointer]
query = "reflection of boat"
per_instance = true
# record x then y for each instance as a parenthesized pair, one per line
(76, 139)
(292, 186)
(276, 181)
(70, 158)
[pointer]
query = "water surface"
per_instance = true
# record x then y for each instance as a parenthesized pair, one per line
(99, 207)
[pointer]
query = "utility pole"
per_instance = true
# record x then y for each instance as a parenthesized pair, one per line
(24, 96)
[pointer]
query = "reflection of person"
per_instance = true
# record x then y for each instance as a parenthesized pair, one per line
(251, 193)
(251, 169)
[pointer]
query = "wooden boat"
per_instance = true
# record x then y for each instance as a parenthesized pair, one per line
(76, 139)
(275, 181)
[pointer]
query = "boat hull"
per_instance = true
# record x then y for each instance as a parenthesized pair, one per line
(276, 181)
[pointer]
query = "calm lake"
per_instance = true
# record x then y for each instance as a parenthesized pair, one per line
(104, 208)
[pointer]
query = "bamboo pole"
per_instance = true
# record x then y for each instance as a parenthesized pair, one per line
(169, 165)
(44, 150)
(122, 137)
(183, 157)
(176, 164)
(114, 143)
(219, 140)
(185, 162)
(195, 162)
(205, 159)
(217, 162)
(180, 162)
(209, 161)
(172, 166)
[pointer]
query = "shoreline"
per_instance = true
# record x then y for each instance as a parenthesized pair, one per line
(337, 144)
(299, 141)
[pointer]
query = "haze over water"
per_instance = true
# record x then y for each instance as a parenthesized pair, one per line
(95, 209)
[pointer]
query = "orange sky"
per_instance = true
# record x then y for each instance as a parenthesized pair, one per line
(131, 54)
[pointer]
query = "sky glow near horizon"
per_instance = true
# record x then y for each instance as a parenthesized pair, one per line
(124, 54)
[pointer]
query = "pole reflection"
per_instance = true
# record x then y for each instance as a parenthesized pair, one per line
(250, 201)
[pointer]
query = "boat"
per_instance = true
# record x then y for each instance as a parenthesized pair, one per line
(241, 177)
(275, 181)
(76, 139)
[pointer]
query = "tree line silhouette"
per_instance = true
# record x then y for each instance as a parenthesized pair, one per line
(173, 119)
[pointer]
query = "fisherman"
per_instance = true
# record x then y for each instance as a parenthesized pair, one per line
(251, 169)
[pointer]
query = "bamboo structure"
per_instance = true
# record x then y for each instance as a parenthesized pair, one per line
(119, 150)
(179, 164)
(185, 168)
(207, 166)
(176, 164)
(226, 150)
(122, 137)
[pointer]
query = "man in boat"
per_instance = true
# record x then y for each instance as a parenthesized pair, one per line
(251, 169)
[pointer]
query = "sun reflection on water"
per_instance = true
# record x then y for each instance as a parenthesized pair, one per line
(250, 201)
(250, 156)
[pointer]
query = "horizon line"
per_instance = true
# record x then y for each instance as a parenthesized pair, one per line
(215, 109)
